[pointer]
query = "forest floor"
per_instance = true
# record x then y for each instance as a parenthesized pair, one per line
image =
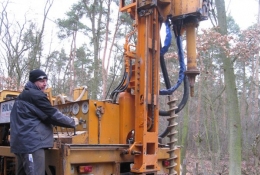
(205, 166)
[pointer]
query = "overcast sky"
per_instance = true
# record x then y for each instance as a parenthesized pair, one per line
(243, 11)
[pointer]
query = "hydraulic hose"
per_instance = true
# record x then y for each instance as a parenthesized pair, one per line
(121, 87)
(181, 72)
(169, 90)
(184, 100)
(165, 73)
(182, 69)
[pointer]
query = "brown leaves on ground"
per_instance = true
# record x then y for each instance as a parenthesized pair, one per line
(204, 166)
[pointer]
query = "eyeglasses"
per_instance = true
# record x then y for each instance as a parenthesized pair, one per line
(42, 77)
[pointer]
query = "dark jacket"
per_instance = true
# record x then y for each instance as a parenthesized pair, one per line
(32, 117)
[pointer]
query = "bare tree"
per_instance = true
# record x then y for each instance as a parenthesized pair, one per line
(235, 147)
(106, 56)
(3, 14)
(21, 45)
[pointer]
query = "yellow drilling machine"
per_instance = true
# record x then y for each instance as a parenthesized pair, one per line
(119, 136)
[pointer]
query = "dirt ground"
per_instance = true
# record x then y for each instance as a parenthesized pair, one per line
(205, 166)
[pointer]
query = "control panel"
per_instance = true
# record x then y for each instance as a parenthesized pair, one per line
(98, 123)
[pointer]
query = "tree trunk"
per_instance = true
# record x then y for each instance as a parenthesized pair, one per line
(232, 99)
(104, 70)
(184, 138)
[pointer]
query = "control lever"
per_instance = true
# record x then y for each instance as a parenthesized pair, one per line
(99, 113)
(74, 131)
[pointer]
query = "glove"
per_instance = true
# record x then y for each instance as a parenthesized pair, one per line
(76, 120)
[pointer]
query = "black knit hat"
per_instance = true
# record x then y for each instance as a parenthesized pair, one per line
(36, 75)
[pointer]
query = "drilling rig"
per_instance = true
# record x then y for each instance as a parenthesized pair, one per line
(119, 136)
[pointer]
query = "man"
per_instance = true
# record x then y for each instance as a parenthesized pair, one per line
(32, 117)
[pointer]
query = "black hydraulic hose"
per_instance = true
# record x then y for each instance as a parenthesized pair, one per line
(116, 91)
(114, 80)
(181, 71)
(128, 79)
(184, 100)
(176, 29)
(165, 73)
(119, 86)
(169, 89)
(123, 88)
(113, 93)
(168, 85)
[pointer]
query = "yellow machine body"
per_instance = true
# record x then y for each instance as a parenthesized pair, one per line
(185, 7)
(103, 130)
(122, 137)
(8, 95)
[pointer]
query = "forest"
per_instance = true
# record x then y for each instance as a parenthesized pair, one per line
(218, 129)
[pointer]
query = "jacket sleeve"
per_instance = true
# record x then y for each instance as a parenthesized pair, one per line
(59, 119)
(55, 117)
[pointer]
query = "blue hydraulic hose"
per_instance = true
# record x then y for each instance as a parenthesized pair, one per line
(168, 39)
(182, 69)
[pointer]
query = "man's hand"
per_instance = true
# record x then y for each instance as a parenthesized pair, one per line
(76, 120)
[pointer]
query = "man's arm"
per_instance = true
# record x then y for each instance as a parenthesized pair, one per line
(55, 117)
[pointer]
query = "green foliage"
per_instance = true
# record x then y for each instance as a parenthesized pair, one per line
(72, 23)
(233, 27)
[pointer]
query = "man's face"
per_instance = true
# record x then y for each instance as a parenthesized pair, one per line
(41, 84)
